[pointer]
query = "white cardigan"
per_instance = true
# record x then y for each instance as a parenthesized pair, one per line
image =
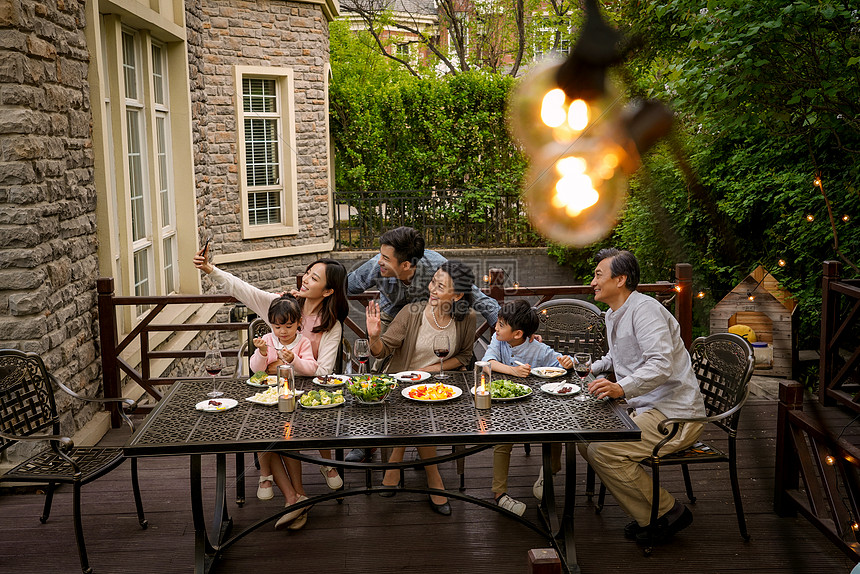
(259, 301)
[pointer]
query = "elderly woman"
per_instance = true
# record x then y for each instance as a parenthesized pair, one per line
(409, 339)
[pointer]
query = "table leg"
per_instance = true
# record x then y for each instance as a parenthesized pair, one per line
(560, 529)
(205, 553)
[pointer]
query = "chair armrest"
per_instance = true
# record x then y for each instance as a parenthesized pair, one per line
(663, 426)
(66, 443)
(240, 365)
(124, 401)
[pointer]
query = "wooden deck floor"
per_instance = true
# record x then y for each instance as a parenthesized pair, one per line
(372, 534)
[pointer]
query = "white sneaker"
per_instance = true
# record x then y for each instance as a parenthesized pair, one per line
(511, 504)
(537, 489)
(333, 482)
(293, 514)
(265, 492)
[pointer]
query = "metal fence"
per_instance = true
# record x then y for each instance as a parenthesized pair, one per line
(449, 218)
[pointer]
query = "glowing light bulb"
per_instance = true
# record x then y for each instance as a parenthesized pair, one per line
(552, 110)
(750, 296)
(677, 288)
(486, 278)
(855, 527)
(516, 285)
(829, 460)
(817, 182)
(845, 217)
(810, 217)
(700, 294)
(577, 115)
(781, 262)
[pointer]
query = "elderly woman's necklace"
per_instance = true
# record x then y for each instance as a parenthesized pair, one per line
(438, 326)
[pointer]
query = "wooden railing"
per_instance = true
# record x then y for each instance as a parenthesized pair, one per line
(817, 467)
(840, 318)
(679, 293)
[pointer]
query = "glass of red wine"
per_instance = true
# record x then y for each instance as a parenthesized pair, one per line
(582, 366)
(213, 363)
(361, 350)
(441, 347)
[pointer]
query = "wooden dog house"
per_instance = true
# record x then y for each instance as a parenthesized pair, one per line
(760, 303)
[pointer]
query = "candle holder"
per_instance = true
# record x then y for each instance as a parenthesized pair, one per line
(481, 385)
(286, 389)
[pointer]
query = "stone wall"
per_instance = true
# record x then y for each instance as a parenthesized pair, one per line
(261, 33)
(48, 262)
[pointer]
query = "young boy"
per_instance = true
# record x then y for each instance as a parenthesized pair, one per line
(512, 352)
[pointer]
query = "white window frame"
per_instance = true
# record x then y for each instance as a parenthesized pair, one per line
(285, 89)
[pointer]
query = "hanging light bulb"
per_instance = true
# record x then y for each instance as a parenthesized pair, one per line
(583, 142)
(781, 262)
(810, 217)
(845, 217)
(700, 294)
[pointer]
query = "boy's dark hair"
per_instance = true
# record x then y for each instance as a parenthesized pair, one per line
(463, 280)
(285, 309)
(407, 243)
(520, 315)
(623, 263)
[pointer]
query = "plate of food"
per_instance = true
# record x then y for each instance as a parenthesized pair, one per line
(507, 390)
(216, 405)
(262, 380)
(561, 389)
(435, 392)
(411, 376)
(322, 399)
(268, 397)
(549, 372)
(371, 389)
(331, 380)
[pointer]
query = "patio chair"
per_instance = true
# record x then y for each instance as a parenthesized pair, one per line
(574, 326)
(28, 412)
(257, 328)
(723, 364)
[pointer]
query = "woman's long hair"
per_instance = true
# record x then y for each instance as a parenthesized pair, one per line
(463, 280)
(335, 307)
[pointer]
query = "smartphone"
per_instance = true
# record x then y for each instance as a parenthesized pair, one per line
(206, 248)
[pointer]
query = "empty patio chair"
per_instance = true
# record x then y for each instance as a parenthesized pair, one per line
(28, 412)
(723, 364)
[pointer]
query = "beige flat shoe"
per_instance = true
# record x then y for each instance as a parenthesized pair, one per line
(299, 522)
(284, 520)
(265, 492)
(333, 482)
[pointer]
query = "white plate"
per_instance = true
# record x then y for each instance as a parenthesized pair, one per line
(339, 380)
(329, 406)
(268, 403)
(528, 394)
(209, 408)
(403, 376)
(553, 388)
(270, 381)
(549, 372)
(457, 392)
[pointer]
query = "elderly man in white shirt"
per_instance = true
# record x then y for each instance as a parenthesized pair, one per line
(653, 370)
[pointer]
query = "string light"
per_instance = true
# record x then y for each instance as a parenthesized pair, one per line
(845, 217)
(855, 527)
(810, 217)
(830, 460)
(700, 294)
(781, 262)
(750, 296)
(817, 182)
(678, 288)
(516, 285)
(486, 278)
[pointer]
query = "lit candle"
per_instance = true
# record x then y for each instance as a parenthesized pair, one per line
(482, 394)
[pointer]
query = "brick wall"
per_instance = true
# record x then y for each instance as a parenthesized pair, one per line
(261, 33)
(48, 263)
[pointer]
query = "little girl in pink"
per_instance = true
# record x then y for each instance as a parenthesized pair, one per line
(285, 342)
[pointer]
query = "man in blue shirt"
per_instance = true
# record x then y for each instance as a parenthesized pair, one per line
(401, 272)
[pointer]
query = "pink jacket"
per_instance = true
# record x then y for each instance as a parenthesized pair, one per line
(303, 364)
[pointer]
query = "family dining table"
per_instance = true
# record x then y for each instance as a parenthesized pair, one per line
(176, 428)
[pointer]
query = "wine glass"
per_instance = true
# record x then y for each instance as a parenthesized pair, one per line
(212, 364)
(582, 366)
(441, 347)
(361, 350)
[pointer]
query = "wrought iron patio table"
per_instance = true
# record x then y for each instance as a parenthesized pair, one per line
(174, 427)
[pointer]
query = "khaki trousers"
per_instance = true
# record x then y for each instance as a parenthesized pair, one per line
(617, 465)
(502, 464)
